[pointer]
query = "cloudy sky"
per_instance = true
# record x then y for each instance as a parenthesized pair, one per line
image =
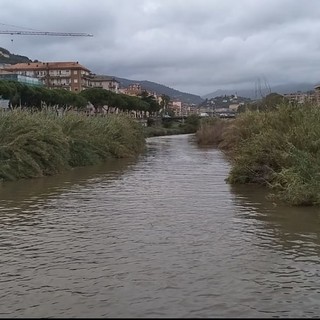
(196, 46)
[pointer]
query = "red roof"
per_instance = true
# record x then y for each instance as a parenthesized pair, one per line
(46, 65)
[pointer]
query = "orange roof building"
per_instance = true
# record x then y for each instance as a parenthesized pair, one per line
(67, 75)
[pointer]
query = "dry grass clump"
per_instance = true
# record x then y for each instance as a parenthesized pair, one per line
(211, 131)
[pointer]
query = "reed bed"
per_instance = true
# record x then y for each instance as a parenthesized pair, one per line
(42, 143)
(211, 131)
(279, 149)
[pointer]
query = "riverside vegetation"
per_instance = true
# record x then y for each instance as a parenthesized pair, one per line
(169, 127)
(46, 131)
(42, 143)
(35, 144)
(278, 147)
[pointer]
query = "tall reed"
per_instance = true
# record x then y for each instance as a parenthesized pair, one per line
(37, 144)
(279, 148)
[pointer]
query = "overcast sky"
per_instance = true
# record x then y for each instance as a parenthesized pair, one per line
(196, 46)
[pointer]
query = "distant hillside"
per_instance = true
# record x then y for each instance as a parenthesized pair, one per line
(161, 89)
(252, 94)
(9, 58)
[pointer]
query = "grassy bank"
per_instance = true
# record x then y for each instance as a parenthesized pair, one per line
(169, 127)
(38, 144)
(279, 149)
(156, 131)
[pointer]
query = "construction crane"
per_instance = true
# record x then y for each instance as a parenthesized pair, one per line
(34, 32)
(46, 33)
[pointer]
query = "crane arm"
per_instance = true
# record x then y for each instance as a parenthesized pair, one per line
(44, 33)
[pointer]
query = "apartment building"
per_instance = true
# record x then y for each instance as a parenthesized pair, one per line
(31, 81)
(71, 76)
(176, 107)
(300, 97)
(105, 82)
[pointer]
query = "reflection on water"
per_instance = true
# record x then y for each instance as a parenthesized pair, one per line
(23, 189)
(292, 227)
(18, 200)
(159, 236)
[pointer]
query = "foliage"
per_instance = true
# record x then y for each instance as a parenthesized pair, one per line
(271, 101)
(35, 98)
(192, 123)
(60, 100)
(42, 143)
(211, 131)
(165, 99)
(279, 148)
(156, 131)
(30, 146)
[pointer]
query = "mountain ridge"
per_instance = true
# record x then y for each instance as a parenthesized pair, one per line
(162, 89)
(6, 57)
(258, 94)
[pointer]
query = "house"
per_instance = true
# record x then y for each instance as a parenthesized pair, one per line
(133, 90)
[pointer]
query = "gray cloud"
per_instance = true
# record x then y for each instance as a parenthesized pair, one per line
(196, 46)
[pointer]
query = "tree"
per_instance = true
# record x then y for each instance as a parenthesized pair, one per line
(154, 106)
(164, 101)
(98, 97)
(8, 90)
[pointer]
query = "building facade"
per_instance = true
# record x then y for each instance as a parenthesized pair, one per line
(133, 90)
(71, 76)
(105, 82)
(317, 94)
(11, 76)
(301, 97)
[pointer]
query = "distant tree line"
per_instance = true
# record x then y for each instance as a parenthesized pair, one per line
(24, 96)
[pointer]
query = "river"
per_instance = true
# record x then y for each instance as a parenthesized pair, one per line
(159, 236)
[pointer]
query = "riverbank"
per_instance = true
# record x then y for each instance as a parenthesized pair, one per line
(170, 127)
(39, 144)
(278, 148)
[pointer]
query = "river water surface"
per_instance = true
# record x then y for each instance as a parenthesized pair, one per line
(159, 236)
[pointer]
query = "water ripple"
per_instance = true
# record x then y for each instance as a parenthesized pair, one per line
(162, 236)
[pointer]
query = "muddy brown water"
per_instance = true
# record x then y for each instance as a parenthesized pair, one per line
(159, 236)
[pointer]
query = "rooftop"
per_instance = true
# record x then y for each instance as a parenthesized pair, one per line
(46, 65)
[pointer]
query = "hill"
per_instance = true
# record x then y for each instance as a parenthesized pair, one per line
(8, 58)
(162, 89)
(253, 94)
